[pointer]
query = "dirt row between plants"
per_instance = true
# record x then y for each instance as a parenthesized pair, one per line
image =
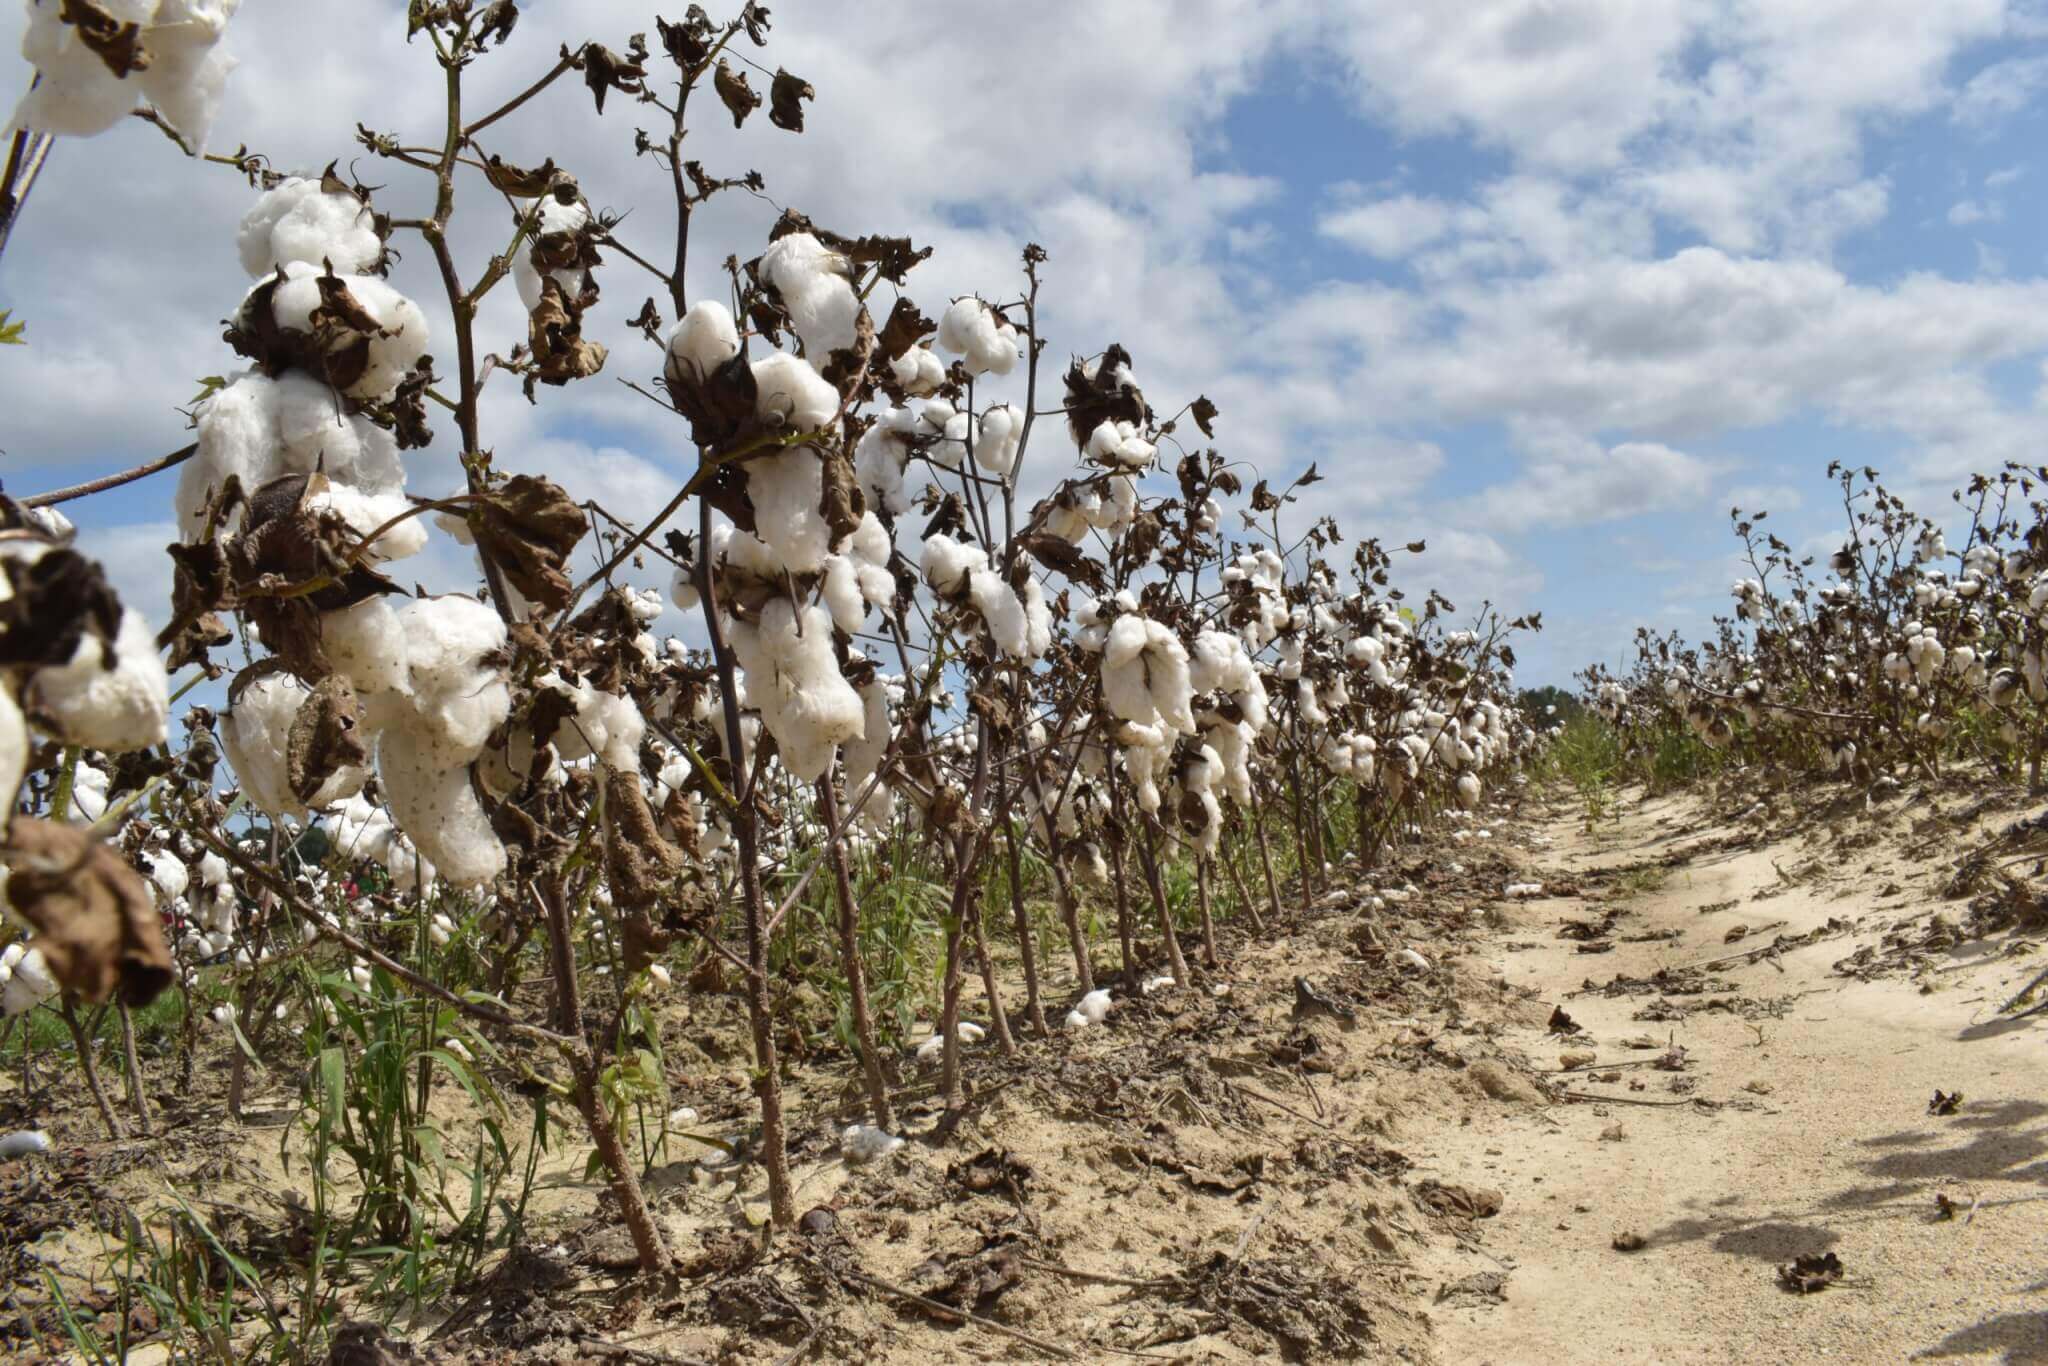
(1357, 1138)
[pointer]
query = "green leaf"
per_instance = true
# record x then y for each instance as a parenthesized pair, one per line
(11, 331)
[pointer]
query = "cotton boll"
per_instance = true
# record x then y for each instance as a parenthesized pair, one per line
(947, 563)
(794, 680)
(167, 875)
(789, 392)
(401, 338)
(786, 490)
(462, 696)
(860, 1143)
(971, 330)
(996, 446)
(366, 644)
(811, 281)
(78, 96)
(1002, 611)
(14, 751)
(188, 70)
(298, 221)
(702, 340)
(436, 804)
(116, 704)
(879, 460)
(682, 589)
(256, 734)
(29, 984)
(918, 371)
(555, 218)
(1096, 1005)
(1469, 791)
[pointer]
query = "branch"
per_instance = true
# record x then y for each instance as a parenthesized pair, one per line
(112, 481)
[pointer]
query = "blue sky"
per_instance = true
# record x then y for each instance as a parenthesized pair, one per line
(1547, 283)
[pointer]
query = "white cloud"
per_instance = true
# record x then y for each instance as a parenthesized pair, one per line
(2000, 90)
(1577, 484)
(1388, 228)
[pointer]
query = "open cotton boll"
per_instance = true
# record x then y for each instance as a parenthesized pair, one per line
(117, 704)
(996, 445)
(1469, 789)
(366, 644)
(919, 371)
(14, 749)
(168, 876)
(1002, 611)
(437, 805)
(401, 338)
(865, 1143)
(256, 733)
(298, 221)
(947, 563)
(448, 642)
(789, 392)
(682, 589)
(605, 724)
(971, 330)
(554, 217)
(793, 679)
(29, 984)
(77, 96)
(786, 489)
(1120, 446)
(1096, 1005)
(879, 460)
(1145, 674)
(811, 281)
(701, 341)
(364, 513)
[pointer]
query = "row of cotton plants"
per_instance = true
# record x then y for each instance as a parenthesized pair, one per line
(1893, 654)
(938, 608)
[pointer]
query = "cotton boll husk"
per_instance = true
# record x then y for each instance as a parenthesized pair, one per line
(702, 340)
(115, 708)
(436, 805)
(402, 339)
(786, 489)
(794, 680)
(297, 221)
(790, 392)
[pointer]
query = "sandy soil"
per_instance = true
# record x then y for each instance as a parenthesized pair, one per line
(1397, 1166)
(1818, 1139)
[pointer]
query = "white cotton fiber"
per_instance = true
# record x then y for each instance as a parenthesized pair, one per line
(298, 221)
(793, 395)
(815, 292)
(919, 371)
(702, 340)
(366, 643)
(971, 331)
(786, 489)
(793, 678)
(112, 703)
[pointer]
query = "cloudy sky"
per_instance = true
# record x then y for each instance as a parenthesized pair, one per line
(1551, 284)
